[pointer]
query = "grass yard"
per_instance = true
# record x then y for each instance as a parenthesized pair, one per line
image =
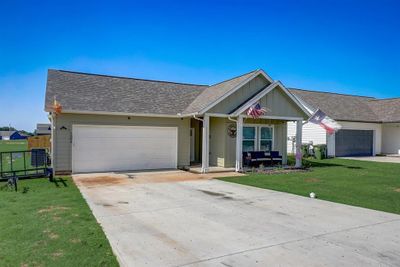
(13, 145)
(372, 185)
(50, 224)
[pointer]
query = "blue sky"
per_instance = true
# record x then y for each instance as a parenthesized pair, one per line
(339, 46)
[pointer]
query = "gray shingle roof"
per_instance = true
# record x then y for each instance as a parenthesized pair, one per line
(214, 92)
(351, 107)
(90, 92)
(101, 93)
(388, 110)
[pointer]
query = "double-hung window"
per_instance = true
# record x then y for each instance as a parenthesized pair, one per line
(257, 138)
(265, 141)
(249, 139)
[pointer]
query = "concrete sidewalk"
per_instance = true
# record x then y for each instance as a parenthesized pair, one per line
(204, 222)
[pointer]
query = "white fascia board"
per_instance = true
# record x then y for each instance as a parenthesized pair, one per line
(266, 76)
(120, 114)
(283, 118)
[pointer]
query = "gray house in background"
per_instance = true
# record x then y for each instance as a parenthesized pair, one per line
(43, 129)
(370, 126)
(11, 135)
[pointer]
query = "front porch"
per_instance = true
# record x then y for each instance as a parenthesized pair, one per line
(223, 130)
(221, 143)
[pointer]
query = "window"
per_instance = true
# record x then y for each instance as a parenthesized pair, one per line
(249, 139)
(265, 139)
(257, 138)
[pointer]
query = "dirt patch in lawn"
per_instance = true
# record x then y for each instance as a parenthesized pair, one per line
(397, 190)
(51, 234)
(75, 241)
(57, 254)
(312, 180)
(52, 209)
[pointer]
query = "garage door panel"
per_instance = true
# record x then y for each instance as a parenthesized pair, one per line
(354, 143)
(113, 148)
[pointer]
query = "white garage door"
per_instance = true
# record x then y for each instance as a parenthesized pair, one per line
(123, 148)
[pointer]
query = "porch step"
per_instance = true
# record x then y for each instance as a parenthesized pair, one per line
(210, 169)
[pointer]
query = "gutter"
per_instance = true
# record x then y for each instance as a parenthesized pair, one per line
(194, 117)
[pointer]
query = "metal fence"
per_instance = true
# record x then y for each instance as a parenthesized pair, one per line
(25, 164)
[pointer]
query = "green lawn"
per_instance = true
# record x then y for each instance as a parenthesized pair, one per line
(371, 185)
(13, 145)
(50, 224)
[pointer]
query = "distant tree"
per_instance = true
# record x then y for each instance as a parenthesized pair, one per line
(23, 132)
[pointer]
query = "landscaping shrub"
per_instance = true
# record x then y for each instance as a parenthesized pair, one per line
(320, 152)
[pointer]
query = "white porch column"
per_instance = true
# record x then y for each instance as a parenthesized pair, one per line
(205, 144)
(299, 134)
(239, 137)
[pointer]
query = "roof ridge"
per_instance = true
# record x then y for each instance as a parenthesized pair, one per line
(123, 77)
(333, 93)
(236, 77)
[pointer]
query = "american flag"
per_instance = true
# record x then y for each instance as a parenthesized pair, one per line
(256, 111)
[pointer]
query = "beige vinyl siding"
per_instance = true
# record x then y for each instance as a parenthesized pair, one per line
(280, 104)
(195, 124)
(311, 133)
(63, 138)
(243, 94)
(391, 138)
(217, 141)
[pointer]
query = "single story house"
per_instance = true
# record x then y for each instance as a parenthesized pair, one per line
(110, 123)
(11, 135)
(43, 129)
(370, 126)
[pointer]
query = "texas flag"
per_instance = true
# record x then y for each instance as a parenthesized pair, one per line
(320, 118)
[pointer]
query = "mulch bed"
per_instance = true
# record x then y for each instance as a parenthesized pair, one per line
(286, 170)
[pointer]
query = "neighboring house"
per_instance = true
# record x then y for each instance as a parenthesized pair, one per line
(113, 123)
(11, 135)
(43, 129)
(370, 126)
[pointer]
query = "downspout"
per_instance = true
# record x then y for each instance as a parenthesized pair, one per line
(52, 118)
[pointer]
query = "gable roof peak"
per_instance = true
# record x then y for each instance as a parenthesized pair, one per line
(236, 77)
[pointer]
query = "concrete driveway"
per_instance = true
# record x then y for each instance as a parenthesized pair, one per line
(195, 221)
(389, 159)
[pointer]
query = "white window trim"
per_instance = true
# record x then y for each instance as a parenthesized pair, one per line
(257, 139)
